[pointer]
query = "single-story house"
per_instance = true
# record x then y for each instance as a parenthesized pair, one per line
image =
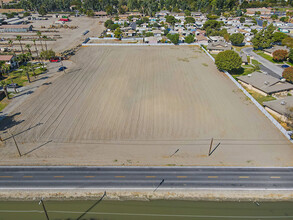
(265, 84)
(216, 47)
(201, 39)
(101, 14)
(16, 28)
(214, 39)
(9, 60)
(131, 33)
(152, 40)
(271, 50)
(282, 108)
(157, 33)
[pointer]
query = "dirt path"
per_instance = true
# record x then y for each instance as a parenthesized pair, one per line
(137, 106)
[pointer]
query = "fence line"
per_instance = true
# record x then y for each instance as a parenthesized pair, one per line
(259, 106)
(136, 44)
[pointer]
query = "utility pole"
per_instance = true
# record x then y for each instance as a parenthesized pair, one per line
(16, 145)
(42, 202)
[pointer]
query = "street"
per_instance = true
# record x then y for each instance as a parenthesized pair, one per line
(145, 178)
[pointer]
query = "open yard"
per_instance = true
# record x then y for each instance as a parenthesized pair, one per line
(131, 105)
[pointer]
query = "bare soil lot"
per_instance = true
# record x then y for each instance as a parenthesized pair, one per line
(130, 105)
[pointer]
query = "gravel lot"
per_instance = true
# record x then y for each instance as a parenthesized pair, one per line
(137, 106)
(65, 38)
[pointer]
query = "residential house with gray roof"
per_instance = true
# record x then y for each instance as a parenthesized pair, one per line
(265, 84)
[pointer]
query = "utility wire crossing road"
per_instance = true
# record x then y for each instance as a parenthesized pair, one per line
(146, 178)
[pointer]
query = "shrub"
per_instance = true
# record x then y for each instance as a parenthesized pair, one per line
(228, 60)
(174, 38)
(280, 55)
(288, 74)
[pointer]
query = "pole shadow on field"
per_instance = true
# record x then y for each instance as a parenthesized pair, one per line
(96, 203)
(23, 130)
(36, 148)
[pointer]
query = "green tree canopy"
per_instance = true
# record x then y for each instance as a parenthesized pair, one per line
(108, 23)
(118, 33)
(189, 20)
(42, 11)
(187, 13)
(288, 41)
(242, 19)
(170, 19)
(274, 17)
(279, 36)
(47, 54)
(264, 38)
(174, 38)
(189, 39)
(228, 60)
(236, 39)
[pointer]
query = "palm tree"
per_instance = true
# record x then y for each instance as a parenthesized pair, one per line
(19, 39)
(4, 85)
(26, 69)
(10, 42)
(39, 35)
(45, 39)
(34, 40)
(6, 67)
(28, 46)
(32, 68)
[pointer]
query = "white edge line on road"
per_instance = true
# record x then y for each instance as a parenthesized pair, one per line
(165, 167)
(150, 188)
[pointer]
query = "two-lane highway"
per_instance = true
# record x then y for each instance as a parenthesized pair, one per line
(145, 178)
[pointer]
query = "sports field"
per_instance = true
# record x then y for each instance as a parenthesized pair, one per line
(137, 106)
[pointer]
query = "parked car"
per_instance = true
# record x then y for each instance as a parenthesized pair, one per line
(285, 66)
(56, 59)
(12, 85)
(62, 68)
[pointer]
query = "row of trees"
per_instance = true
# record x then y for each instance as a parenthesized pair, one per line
(148, 7)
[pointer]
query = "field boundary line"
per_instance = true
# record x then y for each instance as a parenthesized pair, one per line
(259, 106)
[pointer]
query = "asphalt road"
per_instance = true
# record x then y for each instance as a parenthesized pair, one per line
(145, 178)
(274, 68)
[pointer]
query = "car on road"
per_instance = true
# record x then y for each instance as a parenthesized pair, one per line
(62, 68)
(55, 59)
(284, 66)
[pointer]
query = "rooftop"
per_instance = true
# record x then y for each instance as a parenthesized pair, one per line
(265, 82)
(282, 106)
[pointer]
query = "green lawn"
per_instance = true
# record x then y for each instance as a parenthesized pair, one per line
(268, 57)
(260, 98)
(239, 48)
(19, 76)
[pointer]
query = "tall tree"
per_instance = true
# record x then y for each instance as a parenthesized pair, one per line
(45, 39)
(18, 37)
(39, 34)
(28, 47)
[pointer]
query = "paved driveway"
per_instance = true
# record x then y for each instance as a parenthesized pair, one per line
(272, 67)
